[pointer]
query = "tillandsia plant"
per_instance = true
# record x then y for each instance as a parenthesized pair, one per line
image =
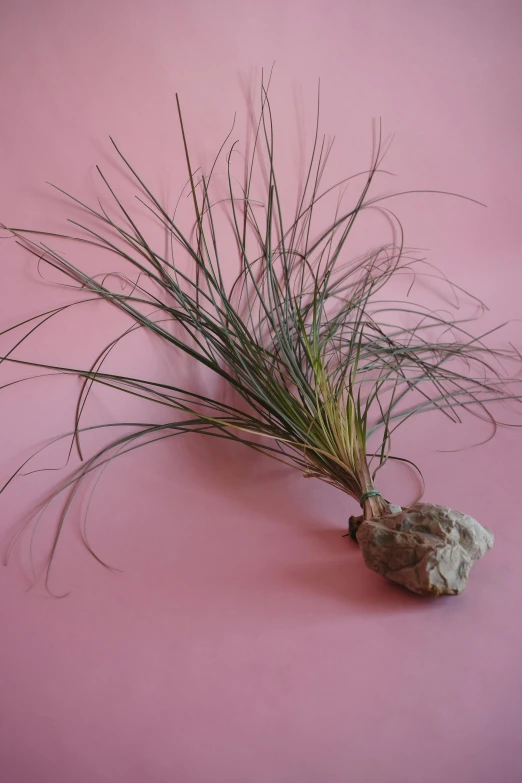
(323, 364)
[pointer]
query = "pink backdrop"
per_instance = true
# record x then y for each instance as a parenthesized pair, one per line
(245, 640)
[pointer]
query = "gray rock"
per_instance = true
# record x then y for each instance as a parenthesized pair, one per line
(429, 549)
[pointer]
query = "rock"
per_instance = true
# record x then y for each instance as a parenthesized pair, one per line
(355, 522)
(427, 548)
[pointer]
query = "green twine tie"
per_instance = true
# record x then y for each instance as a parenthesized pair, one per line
(372, 493)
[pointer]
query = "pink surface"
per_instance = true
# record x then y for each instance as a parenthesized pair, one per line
(246, 642)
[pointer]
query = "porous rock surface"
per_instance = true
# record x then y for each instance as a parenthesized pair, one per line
(427, 548)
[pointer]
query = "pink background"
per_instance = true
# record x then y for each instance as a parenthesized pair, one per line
(245, 640)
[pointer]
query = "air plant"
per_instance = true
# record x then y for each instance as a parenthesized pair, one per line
(323, 362)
